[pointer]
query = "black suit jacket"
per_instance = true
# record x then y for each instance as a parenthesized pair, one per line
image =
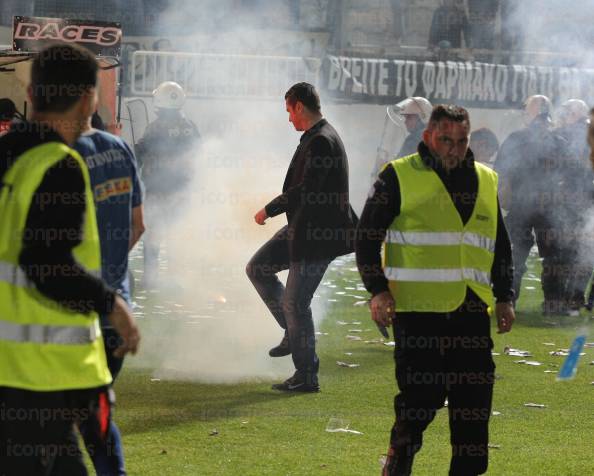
(315, 198)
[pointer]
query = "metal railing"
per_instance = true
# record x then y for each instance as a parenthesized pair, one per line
(219, 75)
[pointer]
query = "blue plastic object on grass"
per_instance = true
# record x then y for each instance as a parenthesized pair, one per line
(569, 367)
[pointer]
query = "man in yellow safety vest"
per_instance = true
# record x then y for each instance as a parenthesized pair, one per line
(53, 370)
(446, 253)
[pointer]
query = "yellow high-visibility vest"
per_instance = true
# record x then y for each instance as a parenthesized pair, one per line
(43, 345)
(430, 255)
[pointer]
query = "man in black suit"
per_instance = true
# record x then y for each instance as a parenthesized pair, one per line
(321, 226)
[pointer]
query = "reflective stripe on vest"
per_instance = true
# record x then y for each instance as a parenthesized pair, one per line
(436, 275)
(39, 334)
(12, 274)
(431, 256)
(439, 239)
(9, 273)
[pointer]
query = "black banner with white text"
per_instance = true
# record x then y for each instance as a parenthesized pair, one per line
(480, 85)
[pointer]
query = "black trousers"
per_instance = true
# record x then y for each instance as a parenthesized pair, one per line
(441, 356)
(290, 305)
(37, 435)
(526, 229)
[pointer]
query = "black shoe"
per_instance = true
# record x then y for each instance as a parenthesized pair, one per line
(296, 384)
(282, 349)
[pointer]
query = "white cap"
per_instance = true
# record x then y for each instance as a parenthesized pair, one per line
(169, 95)
(415, 105)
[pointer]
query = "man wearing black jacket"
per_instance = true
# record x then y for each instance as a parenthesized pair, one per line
(438, 354)
(321, 226)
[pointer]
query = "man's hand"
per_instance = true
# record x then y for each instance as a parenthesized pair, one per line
(261, 217)
(383, 308)
(504, 312)
(123, 322)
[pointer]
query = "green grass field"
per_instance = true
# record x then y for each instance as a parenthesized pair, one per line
(182, 428)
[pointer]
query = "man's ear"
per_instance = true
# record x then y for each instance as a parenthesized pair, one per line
(426, 136)
(89, 102)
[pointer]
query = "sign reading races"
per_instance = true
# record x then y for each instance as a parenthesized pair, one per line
(34, 33)
(384, 81)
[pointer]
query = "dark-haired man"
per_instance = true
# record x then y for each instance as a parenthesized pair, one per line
(321, 225)
(53, 370)
(445, 246)
(120, 220)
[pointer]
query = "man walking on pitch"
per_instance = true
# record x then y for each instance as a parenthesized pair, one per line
(321, 226)
(445, 246)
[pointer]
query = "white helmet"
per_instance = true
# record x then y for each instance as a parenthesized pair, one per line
(414, 105)
(169, 95)
(573, 110)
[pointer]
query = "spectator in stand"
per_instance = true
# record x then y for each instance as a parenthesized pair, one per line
(512, 35)
(481, 18)
(448, 25)
(484, 145)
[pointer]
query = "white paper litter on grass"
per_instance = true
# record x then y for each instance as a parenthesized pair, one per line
(375, 341)
(340, 363)
(516, 352)
(355, 330)
(338, 425)
(344, 430)
(342, 323)
(495, 413)
(350, 337)
(527, 362)
(562, 353)
(535, 405)
(390, 344)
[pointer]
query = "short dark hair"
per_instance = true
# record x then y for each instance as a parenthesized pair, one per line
(486, 135)
(306, 94)
(448, 112)
(60, 75)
